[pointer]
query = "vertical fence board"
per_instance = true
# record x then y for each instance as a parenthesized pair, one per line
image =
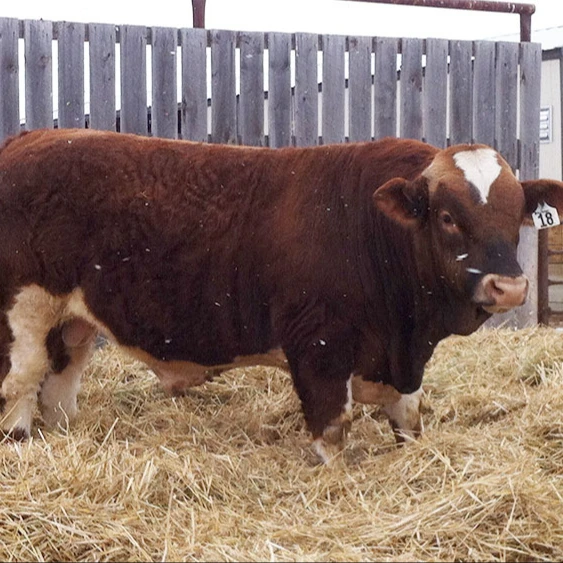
(194, 84)
(411, 89)
(279, 89)
(223, 87)
(306, 89)
(530, 78)
(38, 37)
(101, 43)
(251, 111)
(507, 55)
(164, 112)
(461, 73)
(385, 87)
(133, 48)
(71, 74)
(436, 93)
(359, 88)
(484, 85)
(333, 89)
(9, 78)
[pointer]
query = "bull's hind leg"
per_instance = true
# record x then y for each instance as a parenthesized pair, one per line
(70, 348)
(30, 319)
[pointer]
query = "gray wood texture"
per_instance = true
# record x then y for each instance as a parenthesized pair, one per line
(279, 89)
(530, 78)
(435, 111)
(333, 89)
(164, 110)
(359, 88)
(133, 49)
(484, 93)
(223, 87)
(194, 84)
(306, 107)
(251, 110)
(507, 56)
(411, 89)
(9, 78)
(385, 87)
(38, 37)
(102, 39)
(461, 92)
(71, 74)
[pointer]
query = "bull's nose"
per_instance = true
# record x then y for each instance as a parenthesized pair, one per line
(499, 294)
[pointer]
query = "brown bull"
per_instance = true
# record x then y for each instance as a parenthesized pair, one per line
(355, 260)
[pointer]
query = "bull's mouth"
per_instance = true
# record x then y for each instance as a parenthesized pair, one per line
(492, 309)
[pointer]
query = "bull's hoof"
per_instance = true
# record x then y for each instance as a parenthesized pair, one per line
(402, 435)
(14, 435)
(332, 442)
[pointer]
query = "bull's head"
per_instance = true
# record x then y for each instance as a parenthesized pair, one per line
(472, 206)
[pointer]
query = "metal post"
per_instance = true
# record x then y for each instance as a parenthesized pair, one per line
(198, 10)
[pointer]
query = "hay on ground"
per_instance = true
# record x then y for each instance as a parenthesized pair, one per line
(226, 473)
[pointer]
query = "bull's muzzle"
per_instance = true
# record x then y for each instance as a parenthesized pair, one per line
(498, 294)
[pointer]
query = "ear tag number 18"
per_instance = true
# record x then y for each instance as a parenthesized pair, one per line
(545, 216)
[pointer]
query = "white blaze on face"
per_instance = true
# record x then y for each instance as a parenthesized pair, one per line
(480, 167)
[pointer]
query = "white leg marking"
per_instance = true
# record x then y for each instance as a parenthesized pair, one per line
(321, 450)
(405, 414)
(480, 167)
(332, 442)
(34, 313)
(349, 402)
(57, 398)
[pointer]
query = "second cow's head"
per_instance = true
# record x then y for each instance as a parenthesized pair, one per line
(468, 207)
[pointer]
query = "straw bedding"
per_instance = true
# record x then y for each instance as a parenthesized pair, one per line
(226, 473)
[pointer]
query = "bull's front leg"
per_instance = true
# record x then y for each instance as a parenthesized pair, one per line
(321, 374)
(407, 362)
(402, 410)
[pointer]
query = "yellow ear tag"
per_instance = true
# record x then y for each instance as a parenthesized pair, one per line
(545, 216)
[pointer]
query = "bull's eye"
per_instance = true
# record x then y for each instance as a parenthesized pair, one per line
(447, 222)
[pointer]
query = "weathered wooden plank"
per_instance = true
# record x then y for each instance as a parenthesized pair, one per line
(101, 43)
(38, 38)
(530, 78)
(133, 49)
(164, 111)
(385, 87)
(223, 87)
(411, 89)
(530, 73)
(359, 88)
(461, 93)
(306, 89)
(333, 89)
(194, 84)
(279, 89)
(436, 93)
(71, 74)
(484, 86)
(507, 55)
(9, 78)
(251, 109)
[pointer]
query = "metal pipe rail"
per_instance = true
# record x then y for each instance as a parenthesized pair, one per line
(525, 11)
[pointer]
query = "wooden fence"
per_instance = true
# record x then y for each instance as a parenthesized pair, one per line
(275, 89)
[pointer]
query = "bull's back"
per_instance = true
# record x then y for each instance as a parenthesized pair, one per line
(150, 231)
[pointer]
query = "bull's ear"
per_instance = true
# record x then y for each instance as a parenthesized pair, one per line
(403, 201)
(537, 192)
